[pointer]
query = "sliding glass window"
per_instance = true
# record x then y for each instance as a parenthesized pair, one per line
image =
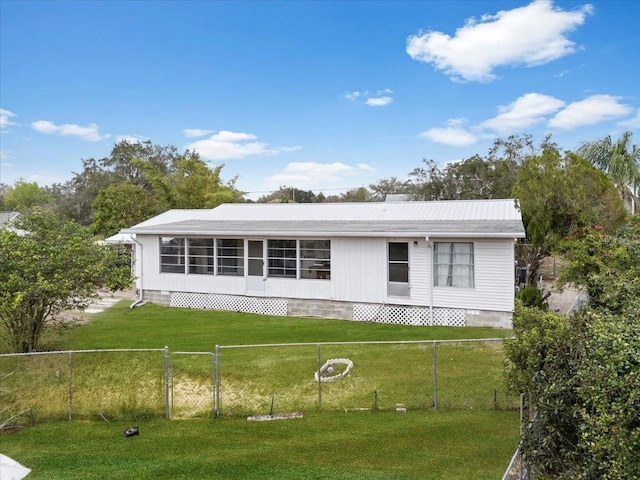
(172, 255)
(200, 253)
(315, 259)
(282, 258)
(230, 256)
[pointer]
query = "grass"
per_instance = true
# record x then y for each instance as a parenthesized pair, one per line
(153, 326)
(417, 445)
(467, 438)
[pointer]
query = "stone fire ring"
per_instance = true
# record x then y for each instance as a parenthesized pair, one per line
(330, 363)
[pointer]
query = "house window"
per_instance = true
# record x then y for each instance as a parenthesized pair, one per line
(230, 256)
(200, 254)
(172, 255)
(398, 284)
(315, 259)
(282, 258)
(453, 264)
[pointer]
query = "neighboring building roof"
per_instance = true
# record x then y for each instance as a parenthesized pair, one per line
(397, 197)
(7, 217)
(463, 218)
(119, 238)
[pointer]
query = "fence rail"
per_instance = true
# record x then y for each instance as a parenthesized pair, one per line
(253, 379)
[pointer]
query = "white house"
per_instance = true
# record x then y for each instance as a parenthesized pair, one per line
(418, 263)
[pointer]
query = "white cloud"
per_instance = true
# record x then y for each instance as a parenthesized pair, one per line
(4, 155)
(5, 118)
(365, 168)
(312, 174)
(380, 98)
(633, 122)
(195, 132)
(226, 145)
(289, 149)
(531, 35)
(592, 110)
(379, 101)
(527, 110)
(88, 133)
(453, 135)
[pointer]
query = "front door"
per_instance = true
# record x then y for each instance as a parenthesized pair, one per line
(255, 265)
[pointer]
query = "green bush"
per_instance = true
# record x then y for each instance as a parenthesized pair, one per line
(530, 296)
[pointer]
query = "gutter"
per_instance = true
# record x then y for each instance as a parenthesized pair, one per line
(139, 299)
(431, 277)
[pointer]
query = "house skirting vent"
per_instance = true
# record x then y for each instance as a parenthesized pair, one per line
(407, 315)
(234, 303)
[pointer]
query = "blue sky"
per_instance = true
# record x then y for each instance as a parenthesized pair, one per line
(322, 96)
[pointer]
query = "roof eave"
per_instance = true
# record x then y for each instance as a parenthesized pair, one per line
(403, 234)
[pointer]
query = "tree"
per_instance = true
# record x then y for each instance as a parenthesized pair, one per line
(287, 194)
(194, 184)
(24, 196)
(621, 161)
(360, 194)
(173, 179)
(121, 205)
(48, 265)
(607, 265)
(3, 191)
(581, 374)
(558, 195)
(386, 187)
(492, 176)
(75, 197)
(541, 365)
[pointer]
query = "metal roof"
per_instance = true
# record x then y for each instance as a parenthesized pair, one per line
(464, 218)
(6, 217)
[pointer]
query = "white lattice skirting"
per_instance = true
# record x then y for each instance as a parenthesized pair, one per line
(234, 303)
(393, 314)
(406, 315)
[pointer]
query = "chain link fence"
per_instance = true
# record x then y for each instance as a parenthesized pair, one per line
(87, 384)
(245, 380)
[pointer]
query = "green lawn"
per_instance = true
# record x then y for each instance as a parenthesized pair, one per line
(153, 326)
(417, 445)
(472, 435)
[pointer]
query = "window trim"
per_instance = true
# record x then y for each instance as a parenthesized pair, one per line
(450, 276)
(291, 254)
(320, 267)
(240, 259)
(397, 288)
(210, 260)
(288, 271)
(180, 256)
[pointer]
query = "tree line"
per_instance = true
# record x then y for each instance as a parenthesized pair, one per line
(556, 190)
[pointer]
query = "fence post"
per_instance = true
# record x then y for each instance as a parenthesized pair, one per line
(319, 380)
(217, 380)
(167, 411)
(70, 394)
(435, 375)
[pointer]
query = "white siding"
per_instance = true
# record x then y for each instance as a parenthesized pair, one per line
(358, 269)
(494, 280)
(359, 274)
(420, 276)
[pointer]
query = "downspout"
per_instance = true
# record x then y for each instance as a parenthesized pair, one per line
(139, 299)
(429, 245)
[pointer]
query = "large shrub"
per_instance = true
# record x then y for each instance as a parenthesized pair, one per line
(581, 374)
